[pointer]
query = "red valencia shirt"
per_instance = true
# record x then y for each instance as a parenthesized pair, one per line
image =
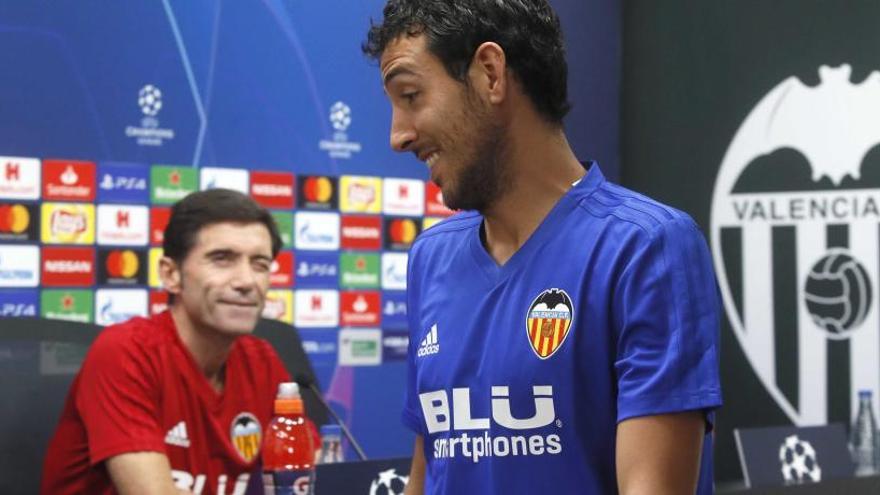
(139, 389)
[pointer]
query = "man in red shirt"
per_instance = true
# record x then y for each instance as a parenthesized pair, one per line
(179, 401)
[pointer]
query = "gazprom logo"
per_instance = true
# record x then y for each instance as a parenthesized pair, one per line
(316, 230)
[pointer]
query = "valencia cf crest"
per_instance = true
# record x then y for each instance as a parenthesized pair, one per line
(548, 321)
(246, 435)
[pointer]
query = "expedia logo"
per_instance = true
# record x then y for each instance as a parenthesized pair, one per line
(548, 321)
(246, 435)
(794, 229)
(445, 414)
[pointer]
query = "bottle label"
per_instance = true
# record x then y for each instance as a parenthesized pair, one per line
(287, 482)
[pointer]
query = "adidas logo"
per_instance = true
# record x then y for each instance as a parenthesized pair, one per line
(429, 344)
(177, 435)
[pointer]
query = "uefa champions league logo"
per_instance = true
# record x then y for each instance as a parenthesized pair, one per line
(150, 100)
(388, 483)
(340, 116)
(340, 146)
(798, 462)
(149, 133)
(795, 237)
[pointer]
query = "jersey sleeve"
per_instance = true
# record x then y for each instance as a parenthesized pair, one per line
(666, 316)
(118, 399)
(411, 414)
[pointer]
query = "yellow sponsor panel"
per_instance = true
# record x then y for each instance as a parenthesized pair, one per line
(153, 277)
(68, 223)
(358, 194)
(279, 305)
(429, 222)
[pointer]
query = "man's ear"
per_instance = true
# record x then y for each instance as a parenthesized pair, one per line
(169, 275)
(488, 72)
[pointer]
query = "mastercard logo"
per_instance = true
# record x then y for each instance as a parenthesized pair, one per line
(318, 189)
(14, 218)
(402, 231)
(122, 264)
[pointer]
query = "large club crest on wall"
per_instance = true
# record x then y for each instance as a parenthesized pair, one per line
(795, 231)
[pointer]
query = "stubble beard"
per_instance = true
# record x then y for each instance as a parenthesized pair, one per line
(483, 178)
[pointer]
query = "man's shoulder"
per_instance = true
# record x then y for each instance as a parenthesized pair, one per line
(135, 333)
(455, 227)
(630, 210)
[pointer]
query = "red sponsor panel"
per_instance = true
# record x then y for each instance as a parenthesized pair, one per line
(361, 232)
(68, 180)
(158, 301)
(67, 266)
(282, 270)
(158, 221)
(359, 308)
(434, 206)
(273, 189)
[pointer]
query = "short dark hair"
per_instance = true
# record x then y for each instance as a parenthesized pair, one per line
(527, 30)
(199, 209)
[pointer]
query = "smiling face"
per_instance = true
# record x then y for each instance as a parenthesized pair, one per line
(445, 123)
(221, 284)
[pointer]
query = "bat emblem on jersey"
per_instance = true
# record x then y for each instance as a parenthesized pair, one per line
(548, 321)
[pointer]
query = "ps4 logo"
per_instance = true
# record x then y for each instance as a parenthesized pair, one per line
(394, 308)
(18, 310)
(316, 270)
(109, 183)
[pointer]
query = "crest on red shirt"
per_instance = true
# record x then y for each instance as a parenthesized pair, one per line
(246, 435)
(548, 321)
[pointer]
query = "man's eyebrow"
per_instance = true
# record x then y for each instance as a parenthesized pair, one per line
(220, 252)
(399, 70)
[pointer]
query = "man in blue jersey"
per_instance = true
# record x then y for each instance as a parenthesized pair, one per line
(563, 330)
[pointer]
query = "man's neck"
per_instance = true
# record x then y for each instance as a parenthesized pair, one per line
(542, 168)
(209, 349)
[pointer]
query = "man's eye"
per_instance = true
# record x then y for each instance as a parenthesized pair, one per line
(262, 266)
(411, 96)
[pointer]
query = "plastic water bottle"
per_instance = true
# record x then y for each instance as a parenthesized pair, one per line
(288, 454)
(331, 444)
(864, 438)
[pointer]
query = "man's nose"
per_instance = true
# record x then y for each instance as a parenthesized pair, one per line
(402, 132)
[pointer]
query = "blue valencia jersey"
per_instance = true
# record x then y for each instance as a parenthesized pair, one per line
(519, 374)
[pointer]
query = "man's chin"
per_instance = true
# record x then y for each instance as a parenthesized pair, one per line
(238, 322)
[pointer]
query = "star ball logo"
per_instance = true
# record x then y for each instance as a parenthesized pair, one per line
(794, 234)
(149, 100)
(340, 116)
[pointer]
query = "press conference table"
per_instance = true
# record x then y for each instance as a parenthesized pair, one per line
(852, 486)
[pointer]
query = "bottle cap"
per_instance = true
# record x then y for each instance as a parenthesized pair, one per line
(288, 400)
(864, 394)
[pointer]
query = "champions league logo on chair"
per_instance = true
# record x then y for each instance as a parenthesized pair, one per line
(798, 459)
(795, 237)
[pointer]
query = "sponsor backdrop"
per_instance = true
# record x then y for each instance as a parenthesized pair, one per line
(762, 119)
(115, 112)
